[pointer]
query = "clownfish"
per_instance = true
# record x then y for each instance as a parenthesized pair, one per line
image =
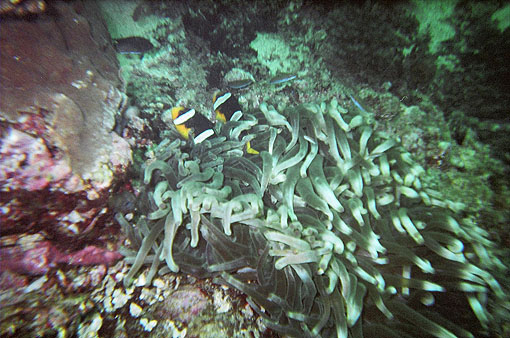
(225, 105)
(189, 122)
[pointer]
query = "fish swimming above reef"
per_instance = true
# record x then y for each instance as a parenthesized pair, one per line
(133, 45)
(188, 123)
(240, 84)
(282, 78)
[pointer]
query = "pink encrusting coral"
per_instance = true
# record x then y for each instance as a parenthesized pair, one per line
(91, 255)
(26, 163)
(33, 255)
(60, 160)
(59, 156)
(184, 304)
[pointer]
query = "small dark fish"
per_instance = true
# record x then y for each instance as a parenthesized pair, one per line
(120, 123)
(133, 45)
(240, 84)
(123, 202)
(281, 78)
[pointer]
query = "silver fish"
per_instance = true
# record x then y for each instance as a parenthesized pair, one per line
(281, 78)
(240, 84)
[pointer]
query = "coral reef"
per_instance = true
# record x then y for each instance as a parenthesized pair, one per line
(274, 53)
(33, 255)
(58, 161)
(58, 153)
(57, 312)
(328, 232)
(331, 230)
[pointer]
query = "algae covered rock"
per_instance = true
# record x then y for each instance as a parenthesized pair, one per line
(60, 94)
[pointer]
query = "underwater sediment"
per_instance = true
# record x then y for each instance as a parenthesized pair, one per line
(328, 231)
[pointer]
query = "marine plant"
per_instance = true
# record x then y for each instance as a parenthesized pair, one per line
(328, 231)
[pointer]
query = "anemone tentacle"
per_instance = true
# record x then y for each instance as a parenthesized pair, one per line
(329, 221)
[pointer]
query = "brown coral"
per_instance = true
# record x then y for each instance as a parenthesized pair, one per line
(58, 153)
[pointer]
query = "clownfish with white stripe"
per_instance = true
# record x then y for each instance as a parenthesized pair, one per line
(189, 122)
(225, 105)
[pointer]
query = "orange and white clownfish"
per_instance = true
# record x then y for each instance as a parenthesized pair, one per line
(225, 105)
(189, 122)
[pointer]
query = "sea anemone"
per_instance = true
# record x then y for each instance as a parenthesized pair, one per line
(328, 231)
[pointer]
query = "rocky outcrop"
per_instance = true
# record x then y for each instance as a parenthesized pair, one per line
(60, 94)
